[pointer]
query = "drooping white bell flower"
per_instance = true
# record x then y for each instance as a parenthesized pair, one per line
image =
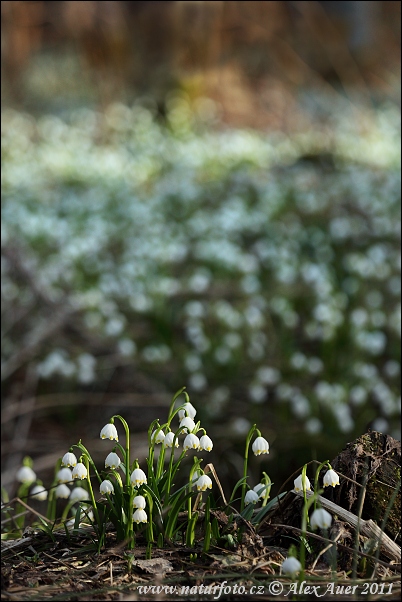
(26, 475)
(157, 437)
(62, 491)
(204, 483)
(64, 475)
(206, 443)
(109, 431)
(138, 477)
(69, 459)
(139, 502)
(79, 471)
(112, 461)
(168, 440)
(331, 478)
(291, 566)
(140, 516)
(191, 442)
(260, 446)
(298, 483)
(39, 493)
(251, 497)
(261, 489)
(188, 424)
(188, 410)
(320, 518)
(79, 494)
(106, 487)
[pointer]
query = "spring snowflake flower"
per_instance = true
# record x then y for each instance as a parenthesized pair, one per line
(26, 475)
(168, 440)
(79, 471)
(112, 461)
(157, 437)
(106, 487)
(206, 443)
(188, 410)
(331, 478)
(261, 489)
(109, 431)
(291, 566)
(69, 459)
(320, 518)
(62, 491)
(204, 483)
(251, 497)
(139, 502)
(188, 424)
(260, 446)
(79, 494)
(140, 516)
(298, 484)
(39, 493)
(138, 477)
(64, 475)
(191, 442)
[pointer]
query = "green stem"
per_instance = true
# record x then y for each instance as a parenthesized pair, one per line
(91, 493)
(244, 485)
(127, 450)
(316, 477)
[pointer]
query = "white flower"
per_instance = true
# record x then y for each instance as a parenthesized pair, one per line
(79, 494)
(139, 502)
(291, 566)
(260, 446)
(261, 489)
(39, 493)
(204, 483)
(298, 484)
(64, 475)
(140, 516)
(195, 478)
(26, 475)
(62, 491)
(188, 423)
(106, 487)
(251, 497)
(206, 443)
(112, 461)
(188, 410)
(168, 440)
(109, 431)
(331, 478)
(79, 471)
(320, 518)
(191, 442)
(69, 459)
(158, 437)
(138, 477)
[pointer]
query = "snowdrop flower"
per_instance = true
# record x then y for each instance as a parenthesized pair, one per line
(139, 502)
(64, 475)
(261, 489)
(260, 446)
(331, 478)
(140, 516)
(291, 566)
(157, 437)
(191, 442)
(26, 475)
(62, 491)
(39, 493)
(206, 443)
(204, 483)
(298, 483)
(79, 494)
(251, 497)
(79, 471)
(106, 487)
(112, 461)
(168, 440)
(188, 423)
(69, 459)
(138, 477)
(188, 410)
(320, 518)
(109, 431)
